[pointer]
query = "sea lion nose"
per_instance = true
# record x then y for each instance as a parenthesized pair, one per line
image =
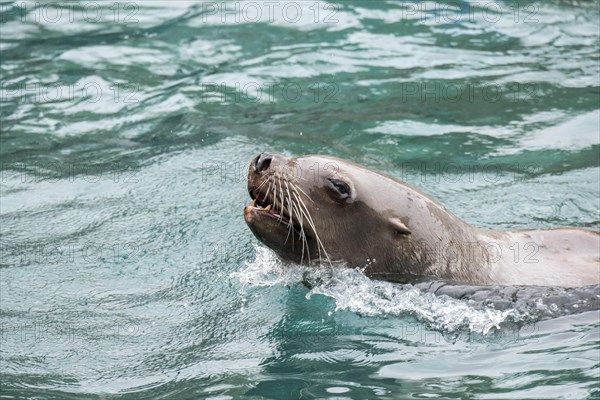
(262, 162)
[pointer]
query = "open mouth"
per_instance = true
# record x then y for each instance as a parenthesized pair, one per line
(280, 220)
(279, 227)
(265, 206)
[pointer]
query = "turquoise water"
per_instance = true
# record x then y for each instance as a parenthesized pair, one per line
(127, 268)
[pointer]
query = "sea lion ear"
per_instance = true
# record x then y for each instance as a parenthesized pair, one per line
(399, 226)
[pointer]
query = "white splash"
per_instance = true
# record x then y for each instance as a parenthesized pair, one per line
(267, 270)
(353, 291)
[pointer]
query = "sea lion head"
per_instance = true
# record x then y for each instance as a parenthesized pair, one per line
(319, 208)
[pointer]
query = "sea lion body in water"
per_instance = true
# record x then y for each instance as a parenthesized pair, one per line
(323, 209)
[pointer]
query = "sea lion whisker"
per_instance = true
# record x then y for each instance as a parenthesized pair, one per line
(274, 191)
(291, 215)
(281, 200)
(303, 212)
(311, 224)
(314, 228)
(300, 218)
(264, 182)
(269, 188)
(303, 236)
(304, 193)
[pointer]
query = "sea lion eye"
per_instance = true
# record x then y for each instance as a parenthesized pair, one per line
(341, 187)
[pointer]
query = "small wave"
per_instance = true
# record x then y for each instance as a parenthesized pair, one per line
(353, 291)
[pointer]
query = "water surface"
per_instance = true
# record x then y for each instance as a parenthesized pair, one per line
(126, 128)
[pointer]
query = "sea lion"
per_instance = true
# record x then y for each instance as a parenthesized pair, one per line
(321, 209)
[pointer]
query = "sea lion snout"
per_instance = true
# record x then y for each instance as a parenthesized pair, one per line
(261, 163)
(276, 214)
